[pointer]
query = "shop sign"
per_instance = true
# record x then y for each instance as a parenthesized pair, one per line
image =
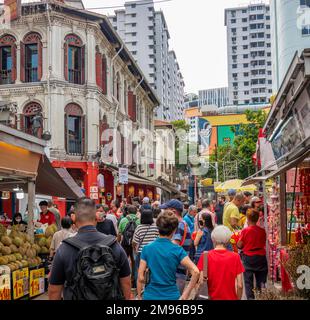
(123, 175)
(93, 189)
(5, 287)
(94, 196)
(20, 283)
(37, 282)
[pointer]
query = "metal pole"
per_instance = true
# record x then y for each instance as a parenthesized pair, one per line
(31, 206)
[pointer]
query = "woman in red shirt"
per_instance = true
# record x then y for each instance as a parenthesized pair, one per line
(225, 281)
(252, 242)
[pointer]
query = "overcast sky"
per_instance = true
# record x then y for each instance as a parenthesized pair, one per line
(198, 36)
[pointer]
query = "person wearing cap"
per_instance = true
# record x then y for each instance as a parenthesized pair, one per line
(256, 204)
(231, 213)
(146, 204)
(182, 237)
(45, 215)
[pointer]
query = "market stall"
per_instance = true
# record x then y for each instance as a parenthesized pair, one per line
(24, 168)
(284, 156)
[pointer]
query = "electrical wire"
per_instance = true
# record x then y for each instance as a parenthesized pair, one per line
(122, 6)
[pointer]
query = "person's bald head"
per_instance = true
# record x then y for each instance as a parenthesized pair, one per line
(238, 199)
(85, 211)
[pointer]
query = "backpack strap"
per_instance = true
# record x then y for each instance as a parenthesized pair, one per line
(184, 234)
(80, 245)
(76, 243)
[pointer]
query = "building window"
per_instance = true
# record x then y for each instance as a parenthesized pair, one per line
(74, 129)
(233, 20)
(245, 29)
(101, 71)
(244, 19)
(7, 59)
(245, 38)
(305, 30)
(32, 122)
(74, 59)
(117, 86)
(304, 3)
(31, 58)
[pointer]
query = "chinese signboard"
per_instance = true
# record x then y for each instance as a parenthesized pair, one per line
(36, 282)
(20, 283)
(5, 286)
(123, 175)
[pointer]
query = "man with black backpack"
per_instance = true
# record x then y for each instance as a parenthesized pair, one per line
(90, 265)
(127, 229)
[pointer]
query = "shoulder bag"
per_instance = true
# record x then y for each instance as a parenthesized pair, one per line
(202, 292)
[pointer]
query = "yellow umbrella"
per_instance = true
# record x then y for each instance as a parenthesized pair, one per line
(234, 184)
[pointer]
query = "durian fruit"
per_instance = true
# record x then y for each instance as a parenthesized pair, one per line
(31, 253)
(11, 258)
(13, 234)
(4, 260)
(17, 241)
(6, 250)
(49, 242)
(44, 250)
(7, 241)
(37, 248)
(18, 256)
(42, 242)
(22, 251)
(13, 248)
(24, 263)
(27, 237)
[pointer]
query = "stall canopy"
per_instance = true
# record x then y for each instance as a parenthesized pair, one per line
(50, 181)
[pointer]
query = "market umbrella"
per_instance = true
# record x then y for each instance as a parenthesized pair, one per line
(235, 184)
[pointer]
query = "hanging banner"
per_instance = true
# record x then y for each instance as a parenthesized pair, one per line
(20, 283)
(12, 9)
(123, 175)
(36, 282)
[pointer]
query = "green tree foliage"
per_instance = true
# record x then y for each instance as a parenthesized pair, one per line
(243, 147)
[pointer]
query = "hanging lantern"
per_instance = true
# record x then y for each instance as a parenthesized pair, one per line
(5, 195)
(131, 191)
(141, 192)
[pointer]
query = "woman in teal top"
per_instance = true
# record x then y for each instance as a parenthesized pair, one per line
(162, 257)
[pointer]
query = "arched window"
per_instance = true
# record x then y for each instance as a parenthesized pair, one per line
(31, 58)
(132, 106)
(32, 122)
(74, 129)
(101, 71)
(74, 60)
(7, 59)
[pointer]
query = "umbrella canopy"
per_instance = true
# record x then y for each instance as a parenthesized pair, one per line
(235, 184)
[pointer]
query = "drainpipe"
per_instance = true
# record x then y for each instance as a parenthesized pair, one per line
(117, 106)
(49, 40)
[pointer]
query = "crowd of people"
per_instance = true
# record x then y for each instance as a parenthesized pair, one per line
(152, 251)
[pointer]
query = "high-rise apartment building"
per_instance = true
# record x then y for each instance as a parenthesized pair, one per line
(249, 54)
(218, 97)
(290, 31)
(146, 35)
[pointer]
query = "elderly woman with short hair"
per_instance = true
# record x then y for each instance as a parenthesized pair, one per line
(225, 269)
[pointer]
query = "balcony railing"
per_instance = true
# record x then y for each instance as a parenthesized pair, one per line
(5, 76)
(31, 74)
(75, 76)
(75, 146)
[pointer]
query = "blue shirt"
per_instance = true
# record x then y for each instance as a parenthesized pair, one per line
(163, 258)
(186, 245)
(205, 243)
(190, 220)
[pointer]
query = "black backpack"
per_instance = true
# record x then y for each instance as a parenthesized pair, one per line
(129, 232)
(96, 276)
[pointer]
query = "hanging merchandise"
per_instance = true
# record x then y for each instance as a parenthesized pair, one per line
(100, 180)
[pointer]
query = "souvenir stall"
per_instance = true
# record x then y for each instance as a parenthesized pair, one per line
(284, 156)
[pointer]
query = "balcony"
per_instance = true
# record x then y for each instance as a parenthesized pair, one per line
(75, 76)
(75, 146)
(31, 75)
(5, 76)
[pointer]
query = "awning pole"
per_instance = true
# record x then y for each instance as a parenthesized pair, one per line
(31, 205)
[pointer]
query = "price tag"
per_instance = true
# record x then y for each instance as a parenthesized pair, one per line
(20, 283)
(5, 287)
(37, 283)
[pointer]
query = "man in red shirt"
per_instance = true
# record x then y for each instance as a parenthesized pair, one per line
(45, 215)
(225, 281)
(252, 241)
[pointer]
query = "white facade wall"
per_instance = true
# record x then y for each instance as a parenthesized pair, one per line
(290, 26)
(218, 97)
(146, 35)
(94, 104)
(249, 54)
